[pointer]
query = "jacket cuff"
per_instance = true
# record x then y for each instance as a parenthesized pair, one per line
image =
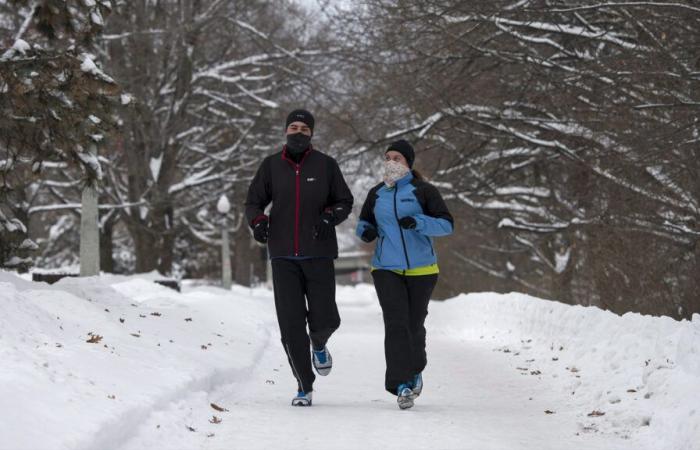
(258, 219)
(420, 222)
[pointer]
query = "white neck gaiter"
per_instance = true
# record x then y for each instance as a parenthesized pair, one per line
(394, 171)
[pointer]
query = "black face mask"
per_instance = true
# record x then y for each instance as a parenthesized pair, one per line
(297, 143)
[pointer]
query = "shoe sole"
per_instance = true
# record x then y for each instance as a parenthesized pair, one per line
(323, 370)
(405, 402)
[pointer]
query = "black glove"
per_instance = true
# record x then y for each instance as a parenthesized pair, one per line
(407, 223)
(324, 227)
(261, 231)
(369, 234)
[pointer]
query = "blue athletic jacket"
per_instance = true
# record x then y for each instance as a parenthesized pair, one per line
(397, 248)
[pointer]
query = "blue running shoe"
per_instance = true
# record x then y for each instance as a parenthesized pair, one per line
(405, 396)
(323, 362)
(416, 384)
(302, 399)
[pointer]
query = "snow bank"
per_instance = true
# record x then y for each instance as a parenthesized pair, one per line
(632, 375)
(88, 359)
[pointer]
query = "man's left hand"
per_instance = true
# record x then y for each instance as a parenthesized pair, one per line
(324, 227)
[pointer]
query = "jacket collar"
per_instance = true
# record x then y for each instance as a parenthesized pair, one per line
(405, 179)
(286, 157)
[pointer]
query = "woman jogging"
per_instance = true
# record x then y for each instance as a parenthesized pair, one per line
(404, 213)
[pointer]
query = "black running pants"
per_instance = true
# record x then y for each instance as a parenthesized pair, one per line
(404, 301)
(304, 294)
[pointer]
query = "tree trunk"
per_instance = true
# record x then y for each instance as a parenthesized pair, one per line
(89, 233)
(107, 247)
(562, 253)
(144, 248)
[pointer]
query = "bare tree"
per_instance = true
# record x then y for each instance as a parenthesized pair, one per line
(205, 82)
(565, 132)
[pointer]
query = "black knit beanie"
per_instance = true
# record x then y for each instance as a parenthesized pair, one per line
(405, 148)
(300, 115)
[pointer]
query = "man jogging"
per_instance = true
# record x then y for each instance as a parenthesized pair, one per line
(309, 198)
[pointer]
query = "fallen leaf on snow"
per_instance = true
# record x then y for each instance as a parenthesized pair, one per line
(215, 420)
(94, 338)
(218, 408)
(596, 413)
(549, 412)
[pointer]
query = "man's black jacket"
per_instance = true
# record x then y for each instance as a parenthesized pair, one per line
(299, 193)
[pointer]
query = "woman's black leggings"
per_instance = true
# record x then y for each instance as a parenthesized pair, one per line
(404, 301)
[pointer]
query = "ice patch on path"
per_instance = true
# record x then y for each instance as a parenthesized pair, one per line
(634, 376)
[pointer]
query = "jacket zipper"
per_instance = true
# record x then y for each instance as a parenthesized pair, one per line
(297, 206)
(403, 240)
(297, 171)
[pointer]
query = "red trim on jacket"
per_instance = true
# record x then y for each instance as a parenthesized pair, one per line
(259, 219)
(297, 205)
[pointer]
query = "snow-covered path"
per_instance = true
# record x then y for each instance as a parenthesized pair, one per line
(121, 363)
(473, 398)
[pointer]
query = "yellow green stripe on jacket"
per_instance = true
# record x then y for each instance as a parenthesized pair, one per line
(432, 269)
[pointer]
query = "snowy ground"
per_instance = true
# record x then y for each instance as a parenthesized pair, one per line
(505, 372)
